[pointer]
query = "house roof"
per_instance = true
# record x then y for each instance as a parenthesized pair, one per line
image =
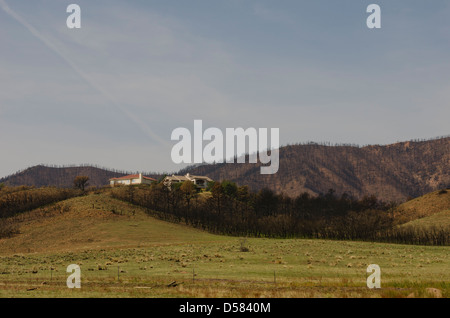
(188, 177)
(178, 178)
(133, 176)
(200, 177)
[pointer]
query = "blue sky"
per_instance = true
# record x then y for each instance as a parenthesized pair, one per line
(111, 92)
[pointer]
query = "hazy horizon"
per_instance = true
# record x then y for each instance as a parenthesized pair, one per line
(148, 172)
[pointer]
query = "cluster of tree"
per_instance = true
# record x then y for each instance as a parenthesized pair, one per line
(14, 200)
(420, 235)
(234, 210)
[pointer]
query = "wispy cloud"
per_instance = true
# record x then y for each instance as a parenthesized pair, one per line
(96, 86)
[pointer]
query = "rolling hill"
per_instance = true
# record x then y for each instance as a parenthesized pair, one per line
(393, 172)
(42, 176)
(439, 220)
(430, 209)
(123, 252)
(97, 221)
(93, 221)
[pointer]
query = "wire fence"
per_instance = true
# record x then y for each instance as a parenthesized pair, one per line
(126, 274)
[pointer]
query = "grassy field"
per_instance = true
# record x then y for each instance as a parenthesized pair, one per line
(123, 252)
(438, 219)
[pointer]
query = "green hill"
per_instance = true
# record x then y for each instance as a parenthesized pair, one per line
(429, 208)
(94, 221)
(439, 219)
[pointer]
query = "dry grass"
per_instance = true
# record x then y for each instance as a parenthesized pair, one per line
(94, 221)
(125, 253)
(438, 219)
(424, 206)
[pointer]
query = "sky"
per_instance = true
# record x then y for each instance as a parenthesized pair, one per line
(112, 92)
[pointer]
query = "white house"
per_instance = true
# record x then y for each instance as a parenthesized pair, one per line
(199, 181)
(131, 179)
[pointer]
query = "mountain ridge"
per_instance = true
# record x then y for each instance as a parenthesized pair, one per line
(393, 172)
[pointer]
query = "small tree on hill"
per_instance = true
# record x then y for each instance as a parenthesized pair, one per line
(229, 188)
(189, 191)
(131, 190)
(81, 182)
(218, 196)
(161, 179)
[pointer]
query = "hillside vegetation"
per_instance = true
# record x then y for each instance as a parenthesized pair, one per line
(62, 177)
(16, 200)
(424, 206)
(234, 210)
(394, 172)
(436, 220)
(231, 210)
(426, 215)
(92, 221)
(125, 252)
